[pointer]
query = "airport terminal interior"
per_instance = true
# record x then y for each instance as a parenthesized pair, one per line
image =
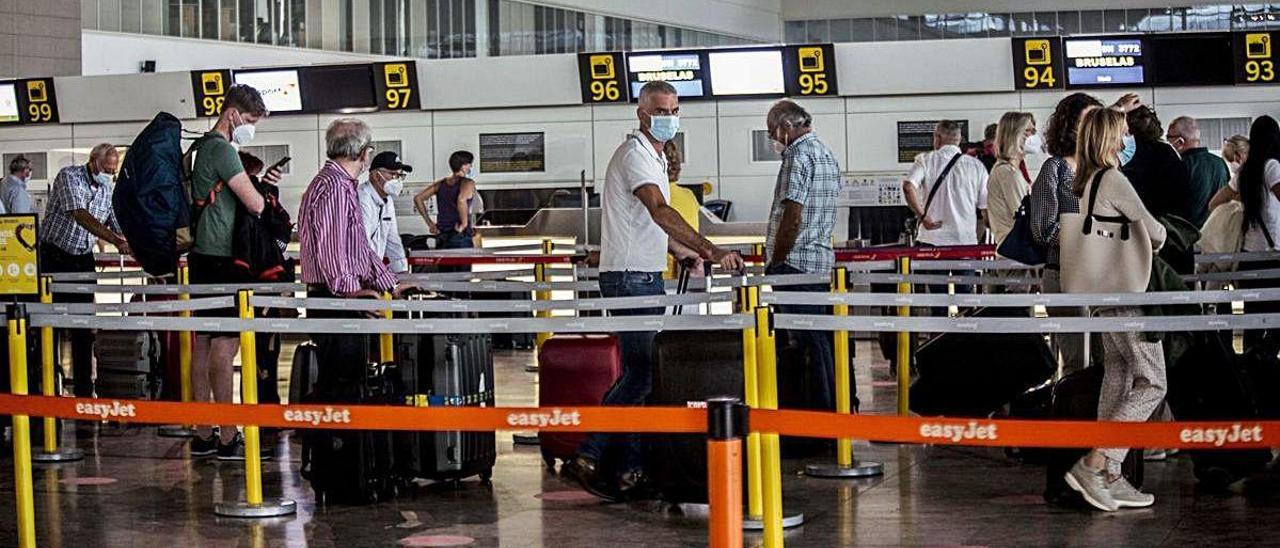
(921, 273)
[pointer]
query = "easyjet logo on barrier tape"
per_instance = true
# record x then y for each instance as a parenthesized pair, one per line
(1219, 437)
(107, 410)
(315, 416)
(957, 432)
(555, 418)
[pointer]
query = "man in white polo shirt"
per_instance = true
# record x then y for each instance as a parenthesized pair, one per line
(947, 190)
(639, 229)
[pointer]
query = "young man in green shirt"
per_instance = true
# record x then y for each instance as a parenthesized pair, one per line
(218, 184)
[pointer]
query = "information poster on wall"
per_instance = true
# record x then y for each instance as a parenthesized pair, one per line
(512, 152)
(915, 138)
(19, 270)
(872, 191)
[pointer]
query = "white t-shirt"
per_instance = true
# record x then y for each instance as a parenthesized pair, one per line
(1254, 239)
(381, 228)
(956, 205)
(629, 239)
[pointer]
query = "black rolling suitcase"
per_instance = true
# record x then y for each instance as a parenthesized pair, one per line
(353, 466)
(1210, 382)
(974, 374)
(446, 370)
(689, 367)
(1075, 397)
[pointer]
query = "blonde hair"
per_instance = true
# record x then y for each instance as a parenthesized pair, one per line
(1099, 133)
(1009, 135)
(1235, 146)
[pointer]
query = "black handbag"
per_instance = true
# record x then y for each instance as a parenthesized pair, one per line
(1019, 244)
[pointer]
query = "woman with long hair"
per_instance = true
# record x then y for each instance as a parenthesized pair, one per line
(1051, 196)
(1010, 181)
(1133, 382)
(1258, 185)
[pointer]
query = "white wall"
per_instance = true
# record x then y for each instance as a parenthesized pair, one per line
(120, 53)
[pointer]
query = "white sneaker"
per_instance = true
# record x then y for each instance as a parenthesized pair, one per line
(1126, 495)
(1092, 485)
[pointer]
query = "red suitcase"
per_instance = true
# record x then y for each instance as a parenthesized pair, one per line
(574, 370)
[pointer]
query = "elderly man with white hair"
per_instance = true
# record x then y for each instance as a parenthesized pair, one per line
(1208, 172)
(79, 213)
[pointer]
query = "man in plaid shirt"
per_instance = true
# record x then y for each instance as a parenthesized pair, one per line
(800, 224)
(78, 215)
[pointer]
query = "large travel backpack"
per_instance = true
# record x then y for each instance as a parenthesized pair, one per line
(149, 199)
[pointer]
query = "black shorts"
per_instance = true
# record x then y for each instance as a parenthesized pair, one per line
(208, 269)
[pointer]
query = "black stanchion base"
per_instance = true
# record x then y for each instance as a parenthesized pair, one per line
(525, 438)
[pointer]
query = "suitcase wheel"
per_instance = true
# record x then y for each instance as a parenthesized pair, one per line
(486, 476)
(549, 460)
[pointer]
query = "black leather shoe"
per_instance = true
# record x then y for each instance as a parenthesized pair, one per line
(583, 470)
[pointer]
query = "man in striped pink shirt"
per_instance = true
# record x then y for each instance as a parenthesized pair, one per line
(336, 258)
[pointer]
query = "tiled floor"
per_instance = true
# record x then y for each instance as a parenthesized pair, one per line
(929, 496)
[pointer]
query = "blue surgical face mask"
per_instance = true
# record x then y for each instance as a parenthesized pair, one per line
(102, 178)
(1130, 148)
(663, 128)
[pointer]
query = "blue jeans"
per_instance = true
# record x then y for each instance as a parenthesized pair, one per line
(818, 345)
(452, 239)
(632, 388)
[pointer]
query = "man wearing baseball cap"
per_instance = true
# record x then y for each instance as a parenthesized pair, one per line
(386, 181)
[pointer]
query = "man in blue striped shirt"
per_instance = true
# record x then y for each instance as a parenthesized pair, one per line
(800, 224)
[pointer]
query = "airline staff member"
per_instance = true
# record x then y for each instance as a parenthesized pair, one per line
(638, 229)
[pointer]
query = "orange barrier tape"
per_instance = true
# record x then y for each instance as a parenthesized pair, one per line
(1019, 433)
(366, 417)
(918, 430)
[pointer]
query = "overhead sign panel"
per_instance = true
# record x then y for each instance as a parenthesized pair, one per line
(1105, 61)
(1255, 58)
(396, 85)
(810, 71)
(603, 77)
(747, 72)
(1037, 63)
(281, 89)
(684, 70)
(210, 89)
(29, 101)
(339, 89)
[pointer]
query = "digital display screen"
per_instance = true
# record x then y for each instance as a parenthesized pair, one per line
(340, 88)
(8, 104)
(757, 72)
(512, 152)
(279, 88)
(1103, 62)
(683, 70)
(1191, 59)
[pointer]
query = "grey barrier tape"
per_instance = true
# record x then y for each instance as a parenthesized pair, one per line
(861, 266)
(1261, 274)
(771, 280)
(1022, 300)
(495, 275)
(91, 276)
(503, 286)
(441, 305)
(159, 289)
(992, 264)
(1025, 325)
(1241, 257)
(380, 326)
(154, 307)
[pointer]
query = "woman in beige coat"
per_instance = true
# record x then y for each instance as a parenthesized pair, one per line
(1010, 181)
(1133, 384)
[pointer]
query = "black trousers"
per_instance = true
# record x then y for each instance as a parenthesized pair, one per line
(54, 259)
(343, 359)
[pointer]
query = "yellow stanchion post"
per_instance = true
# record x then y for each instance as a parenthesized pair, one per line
(184, 365)
(49, 452)
(770, 446)
(253, 506)
(845, 466)
(386, 343)
(904, 344)
(541, 275)
(23, 488)
(749, 299)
